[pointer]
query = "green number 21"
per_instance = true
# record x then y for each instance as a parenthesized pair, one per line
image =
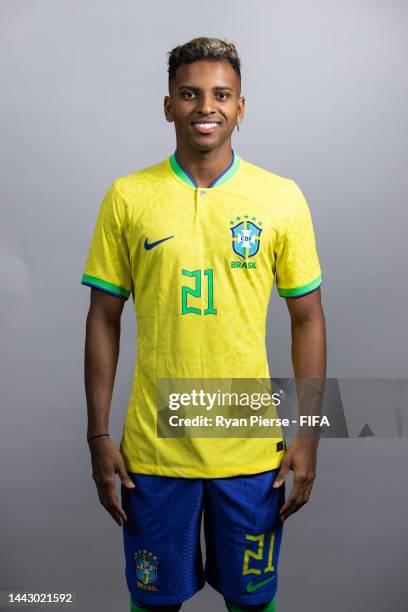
(196, 292)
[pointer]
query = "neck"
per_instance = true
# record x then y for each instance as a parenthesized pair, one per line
(204, 166)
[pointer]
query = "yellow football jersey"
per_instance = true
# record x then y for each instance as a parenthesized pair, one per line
(200, 264)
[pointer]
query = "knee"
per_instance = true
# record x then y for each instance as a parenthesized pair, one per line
(265, 607)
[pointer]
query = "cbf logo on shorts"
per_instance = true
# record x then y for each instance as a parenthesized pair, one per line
(246, 237)
(146, 566)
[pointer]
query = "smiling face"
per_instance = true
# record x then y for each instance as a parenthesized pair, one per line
(205, 104)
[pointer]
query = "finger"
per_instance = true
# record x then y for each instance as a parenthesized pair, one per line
(289, 503)
(116, 512)
(124, 476)
(307, 493)
(294, 493)
(300, 487)
(298, 497)
(292, 505)
(287, 509)
(292, 510)
(304, 486)
(109, 500)
(283, 472)
(292, 500)
(119, 520)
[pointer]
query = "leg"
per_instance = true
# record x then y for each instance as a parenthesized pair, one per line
(141, 608)
(243, 534)
(162, 541)
(233, 607)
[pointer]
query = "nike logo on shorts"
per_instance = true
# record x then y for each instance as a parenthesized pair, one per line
(251, 587)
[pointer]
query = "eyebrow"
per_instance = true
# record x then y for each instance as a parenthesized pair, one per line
(198, 88)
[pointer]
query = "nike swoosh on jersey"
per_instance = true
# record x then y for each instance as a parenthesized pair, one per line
(251, 587)
(151, 245)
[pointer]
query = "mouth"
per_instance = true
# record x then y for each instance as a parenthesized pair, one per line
(205, 127)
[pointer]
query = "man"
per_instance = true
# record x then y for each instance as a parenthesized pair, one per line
(198, 239)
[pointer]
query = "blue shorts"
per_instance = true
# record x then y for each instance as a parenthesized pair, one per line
(242, 528)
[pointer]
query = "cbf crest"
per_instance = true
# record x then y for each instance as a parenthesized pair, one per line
(146, 566)
(246, 237)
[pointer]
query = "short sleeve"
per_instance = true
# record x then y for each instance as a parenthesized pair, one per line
(297, 264)
(108, 265)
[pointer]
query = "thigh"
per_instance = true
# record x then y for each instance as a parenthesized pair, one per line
(243, 533)
(162, 538)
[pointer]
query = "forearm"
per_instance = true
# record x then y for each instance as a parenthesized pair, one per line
(101, 358)
(309, 348)
(309, 365)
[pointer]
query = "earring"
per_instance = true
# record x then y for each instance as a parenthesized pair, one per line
(237, 124)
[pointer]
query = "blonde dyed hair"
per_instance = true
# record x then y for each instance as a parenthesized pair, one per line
(203, 48)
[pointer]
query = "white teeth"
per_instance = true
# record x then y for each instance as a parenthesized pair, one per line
(206, 125)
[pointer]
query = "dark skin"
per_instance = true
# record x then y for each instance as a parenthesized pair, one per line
(308, 330)
(204, 91)
(101, 358)
(201, 91)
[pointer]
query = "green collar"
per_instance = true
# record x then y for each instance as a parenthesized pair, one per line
(228, 173)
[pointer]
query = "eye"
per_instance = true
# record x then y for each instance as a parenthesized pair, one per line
(223, 95)
(188, 94)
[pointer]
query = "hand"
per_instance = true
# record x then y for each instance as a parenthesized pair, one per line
(106, 462)
(301, 458)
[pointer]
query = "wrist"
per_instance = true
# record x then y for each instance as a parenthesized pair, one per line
(93, 437)
(312, 438)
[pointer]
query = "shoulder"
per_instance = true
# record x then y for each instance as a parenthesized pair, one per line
(141, 182)
(279, 194)
(133, 192)
(267, 177)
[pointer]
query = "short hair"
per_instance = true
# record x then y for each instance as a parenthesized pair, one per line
(203, 48)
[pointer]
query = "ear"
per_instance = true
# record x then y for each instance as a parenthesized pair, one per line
(241, 108)
(167, 109)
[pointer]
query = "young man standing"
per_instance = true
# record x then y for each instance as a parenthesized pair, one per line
(198, 239)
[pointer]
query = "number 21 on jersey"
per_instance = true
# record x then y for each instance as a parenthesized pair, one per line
(195, 292)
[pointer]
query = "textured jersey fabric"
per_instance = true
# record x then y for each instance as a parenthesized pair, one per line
(200, 264)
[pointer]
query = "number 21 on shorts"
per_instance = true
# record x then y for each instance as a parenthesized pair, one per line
(250, 567)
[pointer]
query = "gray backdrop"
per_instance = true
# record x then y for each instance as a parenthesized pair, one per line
(82, 91)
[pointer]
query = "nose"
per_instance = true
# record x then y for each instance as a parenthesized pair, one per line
(205, 104)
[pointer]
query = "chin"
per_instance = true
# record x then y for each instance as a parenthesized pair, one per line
(210, 145)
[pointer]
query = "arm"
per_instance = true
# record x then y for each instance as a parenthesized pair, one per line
(101, 358)
(309, 362)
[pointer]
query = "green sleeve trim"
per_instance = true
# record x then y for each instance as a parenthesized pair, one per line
(303, 290)
(98, 283)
